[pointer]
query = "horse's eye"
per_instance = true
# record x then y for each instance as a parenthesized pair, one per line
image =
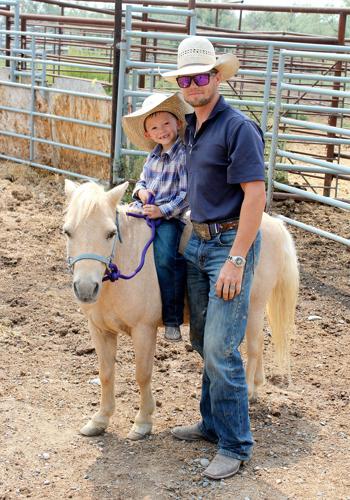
(111, 234)
(67, 233)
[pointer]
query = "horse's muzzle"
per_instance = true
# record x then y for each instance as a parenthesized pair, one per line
(86, 291)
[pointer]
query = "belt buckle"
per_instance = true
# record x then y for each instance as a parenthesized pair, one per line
(215, 228)
(202, 230)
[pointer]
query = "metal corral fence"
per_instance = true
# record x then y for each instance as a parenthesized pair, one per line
(296, 161)
(45, 117)
(60, 117)
(289, 100)
(13, 7)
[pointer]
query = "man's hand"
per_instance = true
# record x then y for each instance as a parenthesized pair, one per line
(229, 281)
(152, 211)
(143, 194)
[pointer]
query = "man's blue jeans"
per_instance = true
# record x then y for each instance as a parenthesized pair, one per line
(217, 328)
(171, 270)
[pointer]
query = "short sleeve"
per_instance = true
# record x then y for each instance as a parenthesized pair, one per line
(246, 154)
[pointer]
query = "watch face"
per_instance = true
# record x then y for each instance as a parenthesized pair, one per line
(236, 260)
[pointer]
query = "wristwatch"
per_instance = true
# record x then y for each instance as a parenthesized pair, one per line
(236, 260)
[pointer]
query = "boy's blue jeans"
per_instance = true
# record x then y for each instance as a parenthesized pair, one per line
(171, 270)
(217, 329)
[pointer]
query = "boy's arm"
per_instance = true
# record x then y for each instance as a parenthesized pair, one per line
(140, 184)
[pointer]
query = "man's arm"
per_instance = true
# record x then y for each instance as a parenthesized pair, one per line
(230, 278)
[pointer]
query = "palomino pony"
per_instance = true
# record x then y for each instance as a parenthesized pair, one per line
(133, 306)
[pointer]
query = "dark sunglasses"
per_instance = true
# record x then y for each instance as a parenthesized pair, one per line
(200, 80)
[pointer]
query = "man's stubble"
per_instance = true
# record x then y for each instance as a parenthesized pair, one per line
(198, 104)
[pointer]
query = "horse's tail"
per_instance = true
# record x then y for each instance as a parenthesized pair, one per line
(282, 302)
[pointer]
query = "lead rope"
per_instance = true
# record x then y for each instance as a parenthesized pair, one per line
(112, 272)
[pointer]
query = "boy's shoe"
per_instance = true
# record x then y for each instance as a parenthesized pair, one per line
(172, 333)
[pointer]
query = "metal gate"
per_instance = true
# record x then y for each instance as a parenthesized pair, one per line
(301, 163)
(280, 80)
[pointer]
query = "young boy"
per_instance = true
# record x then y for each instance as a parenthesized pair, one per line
(157, 127)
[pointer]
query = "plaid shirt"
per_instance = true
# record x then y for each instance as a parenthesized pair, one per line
(165, 175)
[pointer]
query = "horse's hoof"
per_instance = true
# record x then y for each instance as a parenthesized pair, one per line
(92, 429)
(136, 436)
(139, 432)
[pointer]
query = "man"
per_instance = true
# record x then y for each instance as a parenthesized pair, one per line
(226, 193)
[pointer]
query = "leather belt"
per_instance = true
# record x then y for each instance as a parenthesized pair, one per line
(208, 231)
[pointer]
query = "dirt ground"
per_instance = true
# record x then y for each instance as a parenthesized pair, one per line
(302, 432)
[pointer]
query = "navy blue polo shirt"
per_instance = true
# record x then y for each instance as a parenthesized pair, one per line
(227, 150)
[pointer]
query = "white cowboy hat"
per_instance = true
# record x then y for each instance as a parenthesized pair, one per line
(133, 124)
(196, 54)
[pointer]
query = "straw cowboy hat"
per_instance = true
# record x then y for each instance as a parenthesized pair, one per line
(133, 123)
(196, 55)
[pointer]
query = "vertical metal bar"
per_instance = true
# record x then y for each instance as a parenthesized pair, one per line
(143, 42)
(43, 71)
(239, 27)
(7, 37)
(32, 102)
(16, 40)
(54, 49)
(135, 76)
(189, 21)
(60, 32)
(116, 64)
(193, 24)
(23, 40)
(16, 23)
(267, 89)
(110, 54)
(152, 77)
(45, 39)
(152, 82)
(274, 141)
(116, 178)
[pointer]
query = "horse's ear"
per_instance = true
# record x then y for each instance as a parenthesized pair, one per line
(116, 194)
(69, 188)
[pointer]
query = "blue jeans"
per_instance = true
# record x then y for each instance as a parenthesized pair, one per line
(171, 270)
(217, 328)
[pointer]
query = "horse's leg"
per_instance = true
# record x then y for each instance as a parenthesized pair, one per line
(255, 348)
(144, 340)
(105, 345)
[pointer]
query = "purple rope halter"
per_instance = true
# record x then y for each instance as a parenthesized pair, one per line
(112, 272)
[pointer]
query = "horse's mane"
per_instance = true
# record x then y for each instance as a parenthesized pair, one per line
(85, 200)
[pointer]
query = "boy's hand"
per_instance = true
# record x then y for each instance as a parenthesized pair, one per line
(143, 194)
(152, 211)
